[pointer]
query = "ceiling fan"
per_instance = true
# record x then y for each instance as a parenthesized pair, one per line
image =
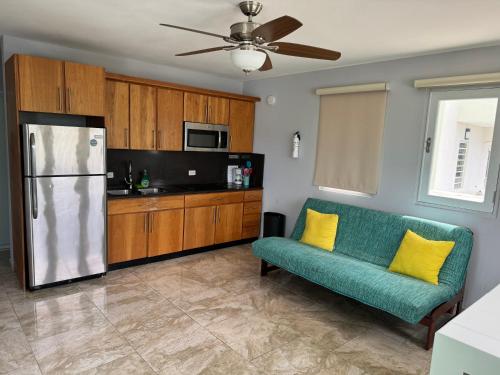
(251, 41)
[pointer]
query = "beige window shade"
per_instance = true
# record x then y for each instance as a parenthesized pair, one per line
(350, 133)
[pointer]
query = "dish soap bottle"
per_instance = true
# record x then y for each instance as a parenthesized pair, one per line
(145, 179)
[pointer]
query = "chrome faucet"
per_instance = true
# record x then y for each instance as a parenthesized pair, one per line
(129, 181)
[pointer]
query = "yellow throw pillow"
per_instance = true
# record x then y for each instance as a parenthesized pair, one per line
(421, 258)
(320, 230)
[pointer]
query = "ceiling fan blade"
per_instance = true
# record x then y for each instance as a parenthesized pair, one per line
(301, 50)
(194, 30)
(203, 51)
(276, 29)
(268, 65)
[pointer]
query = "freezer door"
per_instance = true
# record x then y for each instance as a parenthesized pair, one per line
(65, 225)
(51, 150)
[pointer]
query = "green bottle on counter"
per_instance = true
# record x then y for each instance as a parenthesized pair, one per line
(145, 179)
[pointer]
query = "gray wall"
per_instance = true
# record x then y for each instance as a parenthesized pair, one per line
(288, 182)
(115, 64)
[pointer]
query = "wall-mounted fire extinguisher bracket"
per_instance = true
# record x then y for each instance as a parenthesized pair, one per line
(295, 145)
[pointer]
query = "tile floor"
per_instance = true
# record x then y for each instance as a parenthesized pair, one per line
(208, 313)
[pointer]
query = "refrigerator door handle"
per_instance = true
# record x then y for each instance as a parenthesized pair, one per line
(32, 154)
(34, 192)
(34, 198)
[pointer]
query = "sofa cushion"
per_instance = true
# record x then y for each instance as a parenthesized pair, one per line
(405, 297)
(374, 236)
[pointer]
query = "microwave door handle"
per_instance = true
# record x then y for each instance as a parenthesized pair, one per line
(220, 139)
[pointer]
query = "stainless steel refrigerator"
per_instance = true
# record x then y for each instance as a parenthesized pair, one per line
(65, 202)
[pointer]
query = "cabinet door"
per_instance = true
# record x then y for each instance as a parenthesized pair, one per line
(195, 107)
(117, 114)
(241, 120)
(165, 231)
(170, 109)
(127, 237)
(199, 227)
(85, 89)
(229, 222)
(218, 110)
(41, 84)
(142, 117)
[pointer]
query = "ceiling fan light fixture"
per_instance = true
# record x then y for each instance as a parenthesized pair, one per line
(248, 60)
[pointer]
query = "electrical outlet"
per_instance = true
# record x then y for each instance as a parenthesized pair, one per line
(110, 174)
(192, 172)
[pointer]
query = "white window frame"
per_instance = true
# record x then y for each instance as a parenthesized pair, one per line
(489, 204)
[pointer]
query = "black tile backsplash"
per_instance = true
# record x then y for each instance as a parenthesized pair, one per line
(171, 167)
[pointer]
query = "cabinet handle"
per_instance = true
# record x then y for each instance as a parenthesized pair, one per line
(158, 139)
(145, 223)
(218, 214)
(206, 112)
(152, 217)
(68, 99)
(154, 140)
(58, 98)
(215, 215)
(125, 132)
(209, 113)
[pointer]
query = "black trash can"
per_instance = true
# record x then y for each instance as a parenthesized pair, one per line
(274, 224)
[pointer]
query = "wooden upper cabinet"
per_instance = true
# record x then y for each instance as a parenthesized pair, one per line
(170, 112)
(85, 89)
(142, 117)
(117, 114)
(127, 237)
(41, 84)
(218, 110)
(195, 107)
(199, 227)
(165, 232)
(241, 122)
(229, 222)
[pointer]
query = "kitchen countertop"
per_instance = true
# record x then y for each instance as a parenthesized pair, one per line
(183, 190)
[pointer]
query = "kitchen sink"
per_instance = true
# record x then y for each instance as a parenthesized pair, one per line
(119, 192)
(146, 191)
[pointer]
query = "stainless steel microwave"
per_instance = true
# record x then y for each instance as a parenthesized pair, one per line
(206, 137)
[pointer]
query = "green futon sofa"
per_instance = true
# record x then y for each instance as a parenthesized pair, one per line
(366, 243)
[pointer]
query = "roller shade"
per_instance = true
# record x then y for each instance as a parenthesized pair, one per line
(349, 144)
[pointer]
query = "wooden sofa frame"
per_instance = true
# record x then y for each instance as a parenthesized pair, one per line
(453, 307)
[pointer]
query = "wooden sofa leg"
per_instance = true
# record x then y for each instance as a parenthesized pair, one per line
(431, 330)
(263, 268)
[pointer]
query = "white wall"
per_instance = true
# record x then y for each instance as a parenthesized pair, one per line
(288, 182)
(115, 64)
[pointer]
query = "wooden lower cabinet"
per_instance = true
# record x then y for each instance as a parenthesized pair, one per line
(127, 237)
(199, 227)
(229, 220)
(166, 229)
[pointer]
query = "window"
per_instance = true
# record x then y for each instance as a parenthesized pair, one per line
(460, 166)
(351, 126)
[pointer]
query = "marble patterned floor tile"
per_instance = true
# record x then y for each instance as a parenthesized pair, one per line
(45, 318)
(131, 364)
(80, 349)
(221, 361)
(253, 334)
(112, 278)
(15, 352)
(174, 344)
(380, 352)
(8, 318)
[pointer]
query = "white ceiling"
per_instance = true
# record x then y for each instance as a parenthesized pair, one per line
(363, 30)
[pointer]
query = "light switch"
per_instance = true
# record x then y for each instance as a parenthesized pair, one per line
(192, 172)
